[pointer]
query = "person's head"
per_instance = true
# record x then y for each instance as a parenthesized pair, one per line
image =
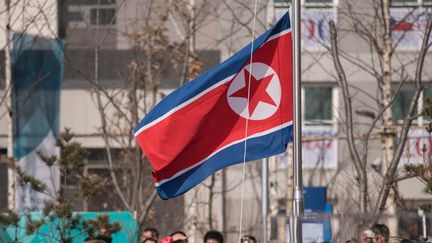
(213, 236)
(248, 239)
(102, 231)
(149, 240)
(150, 233)
(179, 237)
(366, 236)
(352, 240)
(382, 233)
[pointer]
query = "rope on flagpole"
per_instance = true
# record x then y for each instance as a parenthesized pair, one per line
(247, 122)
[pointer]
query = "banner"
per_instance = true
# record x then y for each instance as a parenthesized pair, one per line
(417, 147)
(315, 28)
(37, 73)
(319, 150)
(408, 26)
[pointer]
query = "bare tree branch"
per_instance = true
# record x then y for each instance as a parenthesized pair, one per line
(360, 170)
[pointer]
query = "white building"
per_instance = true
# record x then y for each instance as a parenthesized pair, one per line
(222, 28)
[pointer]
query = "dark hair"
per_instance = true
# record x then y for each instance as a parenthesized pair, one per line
(151, 240)
(213, 234)
(381, 230)
(154, 231)
(180, 233)
(352, 240)
(248, 238)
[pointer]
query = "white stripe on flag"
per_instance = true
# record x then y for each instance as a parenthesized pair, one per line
(183, 104)
(277, 35)
(284, 32)
(224, 147)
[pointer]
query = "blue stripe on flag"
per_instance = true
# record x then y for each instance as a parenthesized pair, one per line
(275, 143)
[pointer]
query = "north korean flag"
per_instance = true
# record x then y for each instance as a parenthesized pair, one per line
(239, 110)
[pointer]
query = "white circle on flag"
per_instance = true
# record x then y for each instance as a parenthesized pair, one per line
(267, 98)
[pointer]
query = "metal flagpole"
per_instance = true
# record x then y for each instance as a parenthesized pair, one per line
(297, 210)
(264, 200)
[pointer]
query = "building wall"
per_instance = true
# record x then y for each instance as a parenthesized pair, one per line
(223, 27)
(26, 16)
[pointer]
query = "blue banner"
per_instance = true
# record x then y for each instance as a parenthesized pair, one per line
(37, 74)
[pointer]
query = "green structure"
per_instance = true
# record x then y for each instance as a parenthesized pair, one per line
(47, 233)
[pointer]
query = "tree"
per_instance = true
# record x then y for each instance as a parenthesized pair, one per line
(58, 212)
(388, 72)
(153, 57)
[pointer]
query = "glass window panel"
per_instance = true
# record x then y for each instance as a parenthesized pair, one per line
(401, 104)
(427, 101)
(90, 2)
(318, 103)
(106, 16)
(402, 2)
(427, 92)
(318, 1)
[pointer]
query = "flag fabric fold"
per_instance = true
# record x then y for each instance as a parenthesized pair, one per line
(37, 74)
(239, 110)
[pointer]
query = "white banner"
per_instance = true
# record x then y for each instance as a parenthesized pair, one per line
(417, 147)
(25, 198)
(314, 26)
(319, 149)
(408, 27)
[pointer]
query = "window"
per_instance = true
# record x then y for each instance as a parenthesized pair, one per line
(401, 104)
(318, 103)
(401, 2)
(102, 16)
(96, 164)
(3, 185)
(80, 13)
(318, 2)
(108, 199)
(410, 2)
(426, 102)
(91, 2)
(307, 3)
(427, 92)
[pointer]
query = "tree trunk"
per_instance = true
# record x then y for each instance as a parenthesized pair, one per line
(8, 89)
(388, 133)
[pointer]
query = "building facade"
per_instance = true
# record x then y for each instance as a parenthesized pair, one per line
(107, 39)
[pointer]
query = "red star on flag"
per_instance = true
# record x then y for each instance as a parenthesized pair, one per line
(258, 91)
